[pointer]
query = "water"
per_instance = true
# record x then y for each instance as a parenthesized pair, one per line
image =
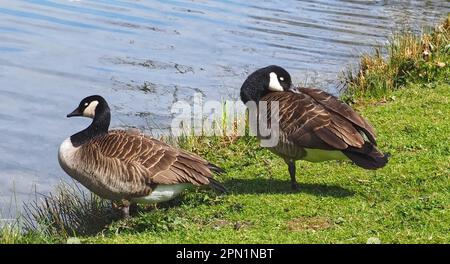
(145, 55)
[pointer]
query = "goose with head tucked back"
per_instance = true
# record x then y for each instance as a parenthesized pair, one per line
(313, 125)
(128, 165)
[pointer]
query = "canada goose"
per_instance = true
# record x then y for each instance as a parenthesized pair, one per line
(313, 125)
(128, 165)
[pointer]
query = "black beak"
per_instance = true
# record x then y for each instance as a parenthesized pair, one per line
(75, 112)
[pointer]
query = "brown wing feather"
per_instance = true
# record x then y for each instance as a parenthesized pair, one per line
(310, 124)
(140, 161)
(334, 104)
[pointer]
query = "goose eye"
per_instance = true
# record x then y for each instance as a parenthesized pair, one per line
(282, 79)
(86, 104)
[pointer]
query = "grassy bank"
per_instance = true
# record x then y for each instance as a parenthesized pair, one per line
(408, 201)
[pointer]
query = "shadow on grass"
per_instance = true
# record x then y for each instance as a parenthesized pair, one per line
(259, 186)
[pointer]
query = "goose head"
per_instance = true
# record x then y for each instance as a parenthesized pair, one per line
(94, 107)
(263, 81)
(91, 106)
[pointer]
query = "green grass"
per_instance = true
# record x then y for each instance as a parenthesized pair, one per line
(408, 201)
(13, 234)
(407, 57)
(68, 211)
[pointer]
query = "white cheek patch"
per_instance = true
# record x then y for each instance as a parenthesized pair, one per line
(274, 84)
(90, 110)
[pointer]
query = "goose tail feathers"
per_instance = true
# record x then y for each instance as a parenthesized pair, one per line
(367, 157)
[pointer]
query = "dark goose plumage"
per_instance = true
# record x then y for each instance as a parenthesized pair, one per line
(314, 125)
(127, 164)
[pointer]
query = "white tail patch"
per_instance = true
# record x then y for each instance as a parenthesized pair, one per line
(274, 84)
(163, 193)
(90, 110)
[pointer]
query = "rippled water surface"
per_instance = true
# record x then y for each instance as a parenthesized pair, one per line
(144, 55)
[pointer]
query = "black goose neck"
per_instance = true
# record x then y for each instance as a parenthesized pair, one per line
(256, 85)
(253, 90)
(98, 127)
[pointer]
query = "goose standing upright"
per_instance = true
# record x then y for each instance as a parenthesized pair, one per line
(313, 125)
(128, 165)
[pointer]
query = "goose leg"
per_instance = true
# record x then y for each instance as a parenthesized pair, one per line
(125, 209)
(291, 168)
(133, 208)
